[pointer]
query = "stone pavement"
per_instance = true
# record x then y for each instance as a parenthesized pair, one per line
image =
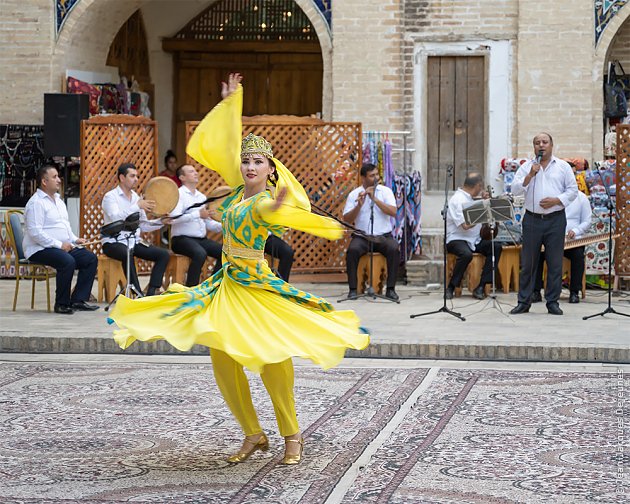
(97, 428)
(487, 334)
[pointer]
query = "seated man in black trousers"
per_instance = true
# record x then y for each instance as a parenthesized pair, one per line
(49, 240)
(578, 214)
(279, 249)
(358, 211)
(118, 204)
(188, 232)
(464, 239)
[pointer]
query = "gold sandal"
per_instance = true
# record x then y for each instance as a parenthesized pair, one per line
(262, 444)
(293, 459)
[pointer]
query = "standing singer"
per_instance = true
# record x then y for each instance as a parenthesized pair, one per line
(549, 186)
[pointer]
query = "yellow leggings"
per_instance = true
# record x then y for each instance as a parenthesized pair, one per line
(233, 384)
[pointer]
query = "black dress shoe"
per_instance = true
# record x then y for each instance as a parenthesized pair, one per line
(574, 298)
(450, 292)
(520, 308)
(536, 297)
(479, 292)
(554, 309)
(64, 309)
(391, 294)
(352, 294)
(83, 306)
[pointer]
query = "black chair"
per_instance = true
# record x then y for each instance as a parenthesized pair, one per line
(33, 271)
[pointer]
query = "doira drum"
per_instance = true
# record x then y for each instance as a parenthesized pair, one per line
(164, 192)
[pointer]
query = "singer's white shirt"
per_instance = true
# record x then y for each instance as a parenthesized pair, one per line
(579, 215)
(116, 206)
(555, 181)
(191, 224)
(455, 218)
(47, 224)
(382, 221)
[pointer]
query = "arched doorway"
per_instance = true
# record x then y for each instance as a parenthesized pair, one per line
(272, 42)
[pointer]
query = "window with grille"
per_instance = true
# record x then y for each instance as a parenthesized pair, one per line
(250, 20)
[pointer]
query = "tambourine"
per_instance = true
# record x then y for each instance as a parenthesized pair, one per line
(164, 192)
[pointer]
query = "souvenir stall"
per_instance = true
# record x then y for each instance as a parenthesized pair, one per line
(21, 154)
(389, 152)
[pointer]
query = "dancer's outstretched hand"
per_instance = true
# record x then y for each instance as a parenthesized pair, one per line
(280, 196)
(227, 88)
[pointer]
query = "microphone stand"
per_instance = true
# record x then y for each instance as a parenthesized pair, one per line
(129, 287)
(369, 291)
(443, 309)
(609, 308)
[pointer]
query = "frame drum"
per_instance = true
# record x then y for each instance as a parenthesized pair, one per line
(164, 192)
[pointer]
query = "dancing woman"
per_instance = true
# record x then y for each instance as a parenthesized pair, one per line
(244, 313)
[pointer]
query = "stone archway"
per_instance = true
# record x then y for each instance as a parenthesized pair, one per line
(91, 26)
(600, 59)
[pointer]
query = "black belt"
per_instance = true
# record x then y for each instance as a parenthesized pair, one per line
(544, 216)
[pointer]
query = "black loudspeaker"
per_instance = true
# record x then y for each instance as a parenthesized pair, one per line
(63, 114)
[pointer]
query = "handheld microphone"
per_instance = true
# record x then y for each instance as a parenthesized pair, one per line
(539, 157)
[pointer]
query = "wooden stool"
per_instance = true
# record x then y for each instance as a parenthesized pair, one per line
(566, 270)
(509, 267)
(110, 277)
(473, 272)
(379, 277)
(176, 270)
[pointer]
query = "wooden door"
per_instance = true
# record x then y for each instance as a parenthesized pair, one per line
(455, 119)
(274, 83)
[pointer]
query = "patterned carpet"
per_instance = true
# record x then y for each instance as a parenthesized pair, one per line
(160, 433)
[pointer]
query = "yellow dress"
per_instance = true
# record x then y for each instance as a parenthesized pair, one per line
(244, 310)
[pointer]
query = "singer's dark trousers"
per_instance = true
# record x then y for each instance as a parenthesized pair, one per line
(198, 250)
(360, 246)
(547, 231)
(65, 263)
(158, 255)
(464, 255)
(282, 251)
(576, 256)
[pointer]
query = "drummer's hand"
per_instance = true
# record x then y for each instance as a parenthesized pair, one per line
(146, 205)
(80, 241)
(571, 234)
(234, 79)
(67, 246)
(167, 221)
(204, 213)
(280, 195)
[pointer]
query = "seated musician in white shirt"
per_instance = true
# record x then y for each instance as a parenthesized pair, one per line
(188, 232)
(358, 210)
(464, 239)
(578, 214)
(118, 204)
(49, 240)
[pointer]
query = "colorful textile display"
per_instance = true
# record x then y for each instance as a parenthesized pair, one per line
(77, 86)
(408, 190)
(112, 98)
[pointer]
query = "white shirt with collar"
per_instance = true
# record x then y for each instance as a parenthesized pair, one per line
(116, 206)
(579, 215)
(382, 221)
(47, 223)
(191, 224)
(455, 218)
(555, 181)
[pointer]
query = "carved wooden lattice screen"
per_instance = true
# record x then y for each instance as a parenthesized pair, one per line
(325, 158)
(106, 142)
(622, 244)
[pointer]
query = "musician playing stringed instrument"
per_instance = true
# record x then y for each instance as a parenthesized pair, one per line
(464, 239)
(578, 214)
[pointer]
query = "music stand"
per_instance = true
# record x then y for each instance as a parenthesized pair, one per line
(129, 226)
(490, 211)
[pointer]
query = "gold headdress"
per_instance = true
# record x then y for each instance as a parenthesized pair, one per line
(253, 144)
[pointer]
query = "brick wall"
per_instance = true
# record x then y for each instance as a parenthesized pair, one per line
(26, 33)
